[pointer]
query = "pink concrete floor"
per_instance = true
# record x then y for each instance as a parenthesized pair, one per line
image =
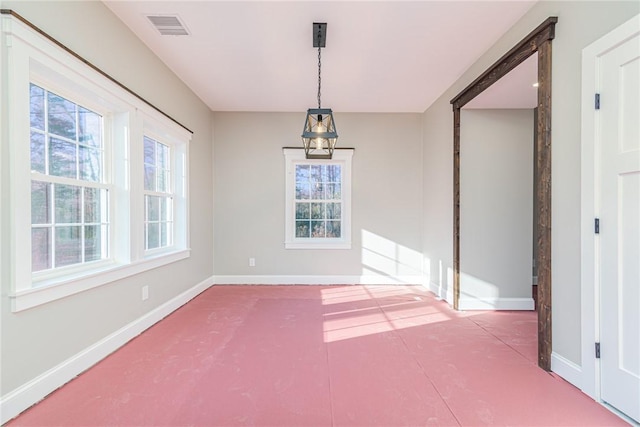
(323, 356)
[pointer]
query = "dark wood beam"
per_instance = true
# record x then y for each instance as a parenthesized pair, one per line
(537, 42)
(456, 207)
(510, 60)
(543, 197)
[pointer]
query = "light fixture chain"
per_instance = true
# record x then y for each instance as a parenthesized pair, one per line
(319, 74)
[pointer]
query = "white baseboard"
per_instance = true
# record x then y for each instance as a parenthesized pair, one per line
(16, 401)
(482, 303)
(566, 369)
(435, 289)
(496, 304)
(443, 293)
(317, 280)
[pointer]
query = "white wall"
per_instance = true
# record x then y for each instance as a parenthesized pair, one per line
(579, 24)
(496, 202)
(38, 340)
(249, 210)
(437, 137)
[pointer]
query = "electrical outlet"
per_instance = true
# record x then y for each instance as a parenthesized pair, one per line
(252, 262)
(145, 292)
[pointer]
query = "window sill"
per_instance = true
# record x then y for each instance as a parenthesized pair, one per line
(317, 245)
(46, 291)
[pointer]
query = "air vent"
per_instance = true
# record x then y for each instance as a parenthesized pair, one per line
(168, 25)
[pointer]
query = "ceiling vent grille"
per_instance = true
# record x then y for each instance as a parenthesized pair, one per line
(168, 25)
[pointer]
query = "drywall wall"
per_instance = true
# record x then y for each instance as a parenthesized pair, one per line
(579, 24)
(37, 340)
(250, 205)
(496, 202)
(437, 125)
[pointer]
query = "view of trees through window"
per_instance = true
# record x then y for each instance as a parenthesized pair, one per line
(69, 201)
(318, 201)
(158, 199)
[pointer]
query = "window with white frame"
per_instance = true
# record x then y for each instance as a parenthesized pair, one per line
(105, 175)
(158, 198)
(318, 201)
(69, 197)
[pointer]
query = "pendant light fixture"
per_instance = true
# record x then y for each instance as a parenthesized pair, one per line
(319, 135)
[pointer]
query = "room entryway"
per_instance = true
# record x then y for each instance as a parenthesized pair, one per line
(538, 42)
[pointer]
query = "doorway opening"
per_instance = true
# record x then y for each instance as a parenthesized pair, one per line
(538, 42)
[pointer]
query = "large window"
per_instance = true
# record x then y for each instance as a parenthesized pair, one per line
(69, 198)
(96, 181)
(318, 201)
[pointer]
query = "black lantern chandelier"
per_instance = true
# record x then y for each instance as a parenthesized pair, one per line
(319, 135)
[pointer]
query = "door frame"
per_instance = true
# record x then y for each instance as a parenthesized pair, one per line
(589, 260)
(538, 41)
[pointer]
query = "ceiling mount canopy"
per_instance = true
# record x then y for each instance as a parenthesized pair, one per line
(319, 34)
(319, 134)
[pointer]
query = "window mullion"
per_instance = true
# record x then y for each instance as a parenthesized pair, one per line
(47, 161)
(77, 140)
(82, 228)
(156, 153)
(158, 194)
(53, 246)
(52, 238)
(37, 176)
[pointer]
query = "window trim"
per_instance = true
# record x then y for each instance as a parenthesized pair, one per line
(33, 58)
(295, 156)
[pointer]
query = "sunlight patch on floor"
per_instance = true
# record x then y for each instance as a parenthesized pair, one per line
(369, 310)
(360, 326)
(356, 293)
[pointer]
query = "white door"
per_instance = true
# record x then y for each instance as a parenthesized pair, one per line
(618, 149)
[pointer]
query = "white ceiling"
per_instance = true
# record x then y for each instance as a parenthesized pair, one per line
(380, 56)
